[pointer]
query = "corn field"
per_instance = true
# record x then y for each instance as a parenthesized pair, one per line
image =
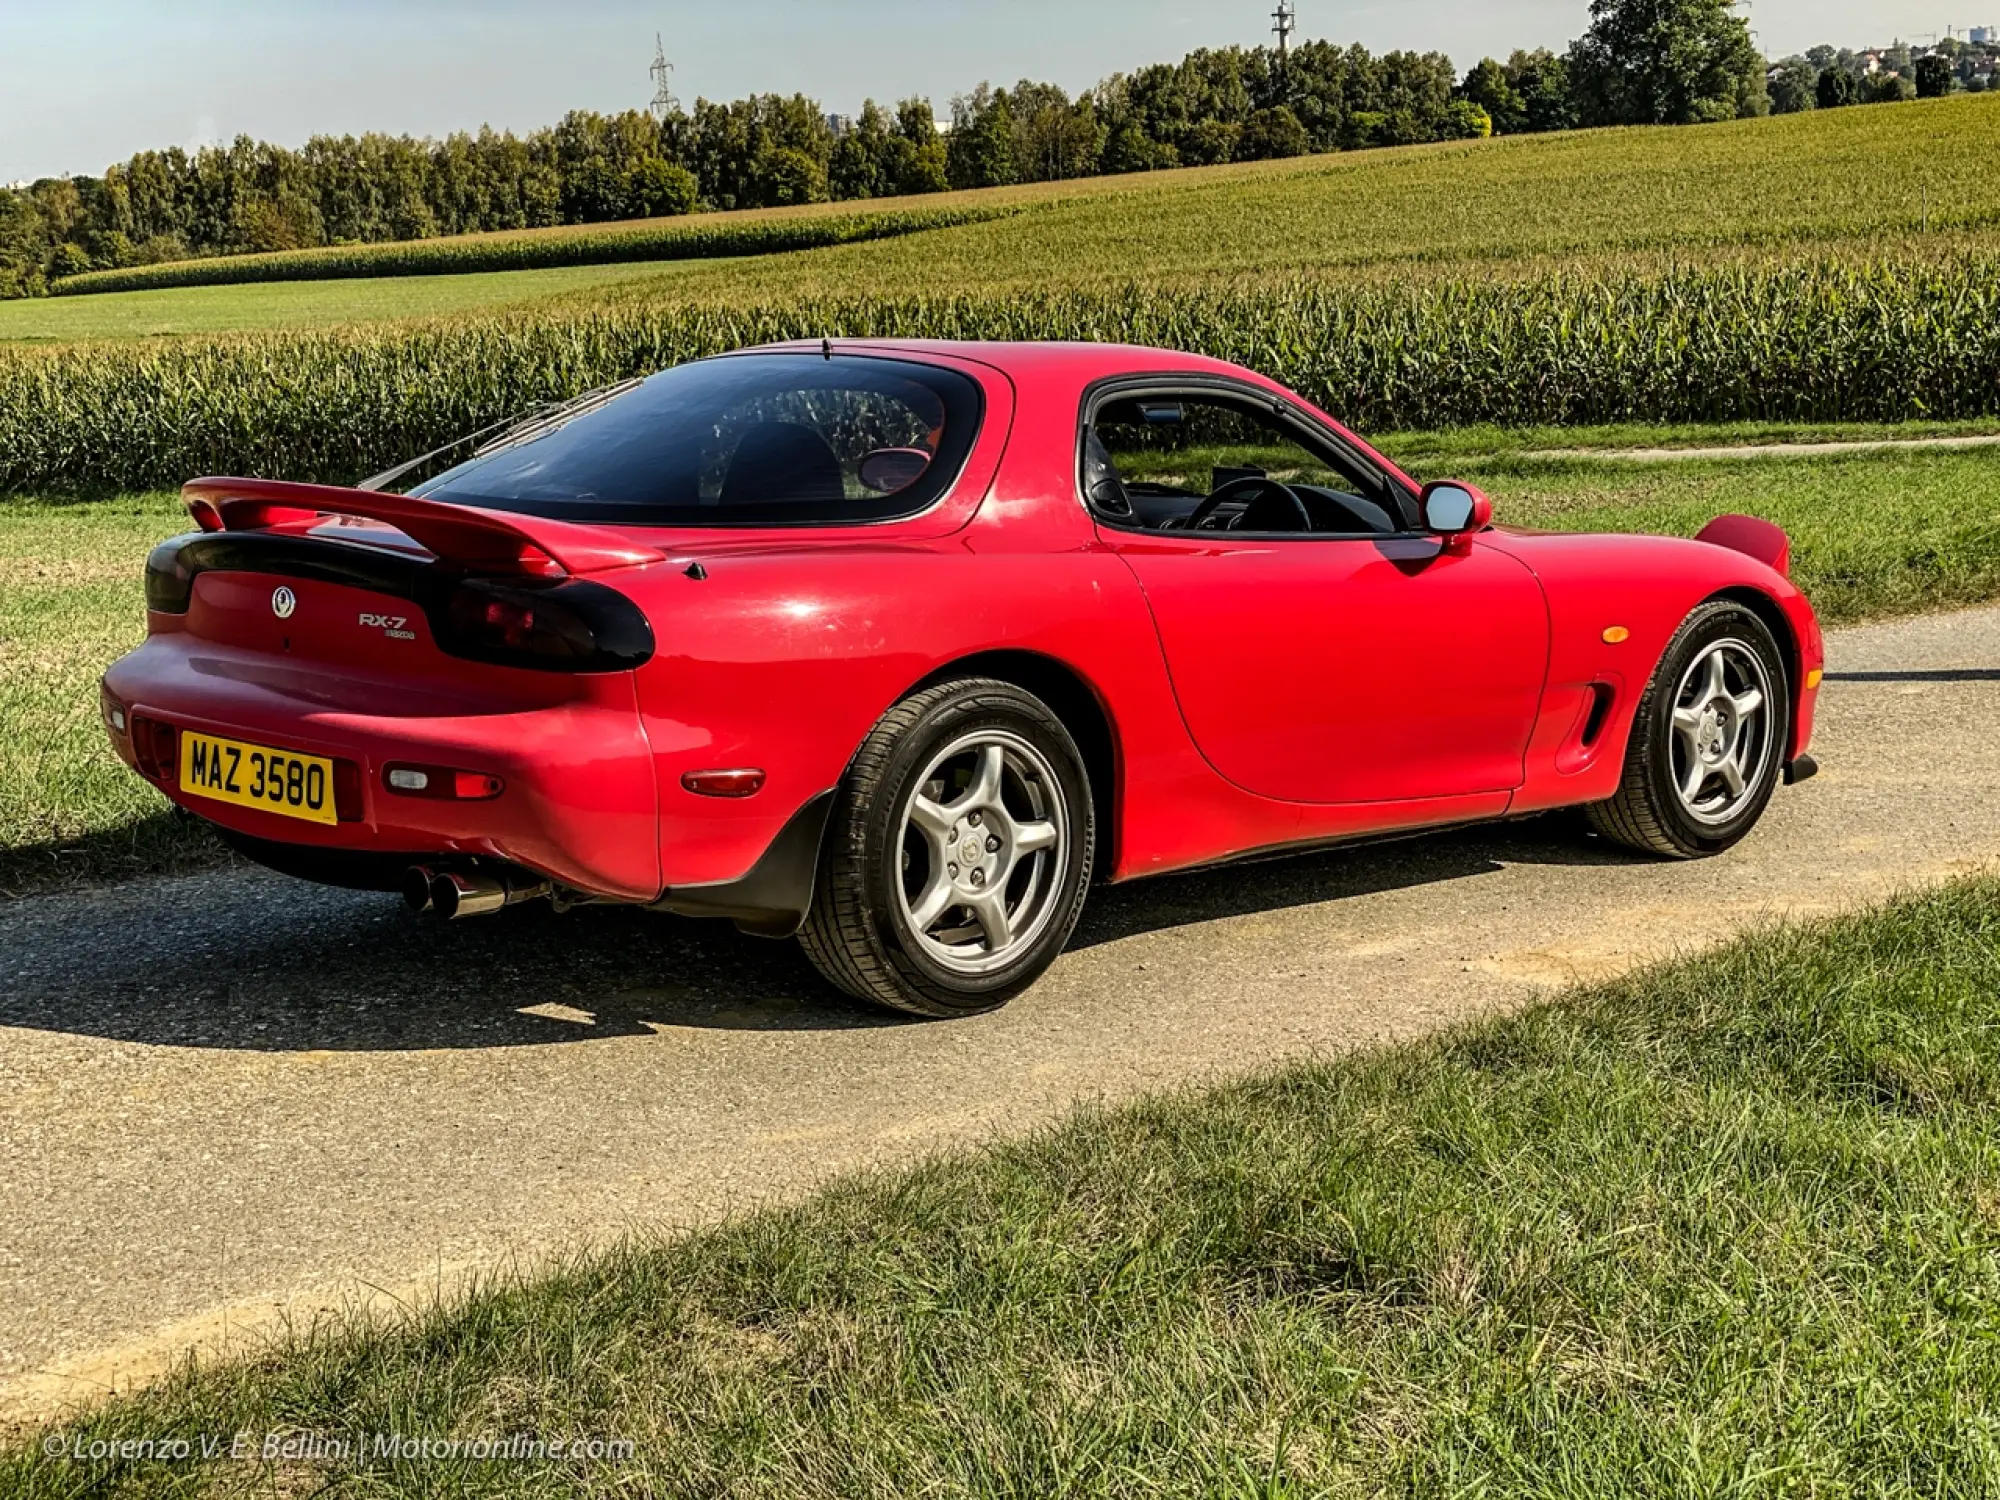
(1804, 342)
(682, 239)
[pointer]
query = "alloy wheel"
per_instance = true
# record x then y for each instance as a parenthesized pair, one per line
(1722, 731)
(983, 837)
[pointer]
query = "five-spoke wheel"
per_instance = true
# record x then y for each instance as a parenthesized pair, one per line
(958, 855)
(1722, 730)
(983, 831)
(1708, 741)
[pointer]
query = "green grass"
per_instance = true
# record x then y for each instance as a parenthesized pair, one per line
(1730, 1227)
(70, 812)
(1906, 180)
(1873, 534)
(1463, 444)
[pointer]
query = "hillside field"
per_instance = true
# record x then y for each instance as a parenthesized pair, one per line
(1911, 179)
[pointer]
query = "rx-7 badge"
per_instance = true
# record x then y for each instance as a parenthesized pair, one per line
(389, 625)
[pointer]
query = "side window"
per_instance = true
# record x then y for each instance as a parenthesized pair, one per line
(1197, 460)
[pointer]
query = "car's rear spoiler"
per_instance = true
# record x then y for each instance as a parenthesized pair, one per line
(1753, 538)
(483, 540)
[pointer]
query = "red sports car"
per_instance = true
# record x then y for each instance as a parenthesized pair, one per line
(898, 646)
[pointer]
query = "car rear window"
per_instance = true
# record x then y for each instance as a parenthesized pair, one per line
(744, 440)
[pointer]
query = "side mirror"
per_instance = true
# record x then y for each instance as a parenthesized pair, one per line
(1455, 511)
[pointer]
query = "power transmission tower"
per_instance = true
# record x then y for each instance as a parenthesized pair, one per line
(664, 102)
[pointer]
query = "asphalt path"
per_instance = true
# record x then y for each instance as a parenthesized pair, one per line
(230, 1100)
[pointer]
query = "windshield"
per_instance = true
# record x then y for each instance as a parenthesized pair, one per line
(746, 440)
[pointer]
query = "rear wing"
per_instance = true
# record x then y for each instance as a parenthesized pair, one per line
(1767, 543)
(478, 540)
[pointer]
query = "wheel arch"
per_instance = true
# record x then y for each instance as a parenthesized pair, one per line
(773, 898)
(1767, 609)
(1073, 699)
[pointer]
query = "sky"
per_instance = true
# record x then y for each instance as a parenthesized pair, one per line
(84, 83)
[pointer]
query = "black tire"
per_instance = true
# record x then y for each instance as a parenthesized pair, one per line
(1650, 813)
(860, 932)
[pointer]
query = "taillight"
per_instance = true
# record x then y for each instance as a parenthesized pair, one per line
(156, 747)
(442, 783)
(169, 580)
(347, 791)
(570, 625)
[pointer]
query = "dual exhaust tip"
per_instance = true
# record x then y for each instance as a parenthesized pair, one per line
(466, 892)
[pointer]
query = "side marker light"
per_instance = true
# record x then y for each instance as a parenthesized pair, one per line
(1616, 635)
(724, 783)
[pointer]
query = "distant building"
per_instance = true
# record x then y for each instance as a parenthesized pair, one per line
(840, 125)
(1982, 36)
(1871, 62)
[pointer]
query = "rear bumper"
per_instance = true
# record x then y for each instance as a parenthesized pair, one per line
(579, 804)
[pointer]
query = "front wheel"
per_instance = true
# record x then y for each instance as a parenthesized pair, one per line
(1709, 740)
(958, 855)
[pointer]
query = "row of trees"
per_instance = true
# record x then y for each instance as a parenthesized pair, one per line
(1827, 78)
(1641, 61)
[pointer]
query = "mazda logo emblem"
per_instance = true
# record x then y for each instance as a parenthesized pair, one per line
(283, 602)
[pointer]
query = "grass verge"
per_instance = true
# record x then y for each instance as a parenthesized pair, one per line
(1729, 1226)
(70, 813)
(1877, 533)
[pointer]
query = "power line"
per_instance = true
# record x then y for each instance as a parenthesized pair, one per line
(664, 102)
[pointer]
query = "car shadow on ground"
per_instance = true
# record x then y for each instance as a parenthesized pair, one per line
(241, 959)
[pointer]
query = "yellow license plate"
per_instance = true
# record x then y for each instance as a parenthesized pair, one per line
(273, 781)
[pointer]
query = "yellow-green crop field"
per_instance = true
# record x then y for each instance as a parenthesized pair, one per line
(1903, 180)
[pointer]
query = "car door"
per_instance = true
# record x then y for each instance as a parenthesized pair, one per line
(1346, 669)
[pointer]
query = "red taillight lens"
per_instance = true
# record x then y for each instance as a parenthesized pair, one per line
(347, 791)
(442, 783)
(568, 625)
(511, 625)
(156, 747)
(724, 783)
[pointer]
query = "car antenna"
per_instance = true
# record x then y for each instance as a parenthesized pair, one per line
(826, 348)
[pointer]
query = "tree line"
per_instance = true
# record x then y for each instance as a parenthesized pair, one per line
(1640, 62)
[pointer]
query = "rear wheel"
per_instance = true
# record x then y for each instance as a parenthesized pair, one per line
(1708, 743)
(958, 855)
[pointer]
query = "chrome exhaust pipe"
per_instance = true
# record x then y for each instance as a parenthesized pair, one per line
(476, 893)
(417, 888)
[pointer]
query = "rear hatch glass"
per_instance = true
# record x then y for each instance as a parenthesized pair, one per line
(744, 440)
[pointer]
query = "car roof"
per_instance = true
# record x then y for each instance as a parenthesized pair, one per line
(1076, 361)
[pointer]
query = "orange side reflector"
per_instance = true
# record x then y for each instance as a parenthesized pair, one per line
(1616, 635)
(1813, 678)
